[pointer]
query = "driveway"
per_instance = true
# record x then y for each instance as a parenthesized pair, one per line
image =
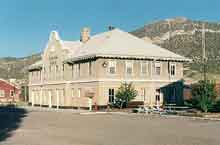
(68, 128)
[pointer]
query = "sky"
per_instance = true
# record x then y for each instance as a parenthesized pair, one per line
(25, 25)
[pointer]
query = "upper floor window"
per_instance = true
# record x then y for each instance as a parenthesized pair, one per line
(129, 67)
(72, 67)
(112, 67)
(173, 69)
(90, 68)
(144, 68)
(63, 70)
(76, 69)
(157, 68)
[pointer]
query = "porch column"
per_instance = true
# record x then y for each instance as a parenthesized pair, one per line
(32, 98)
(90, 104)
(50, 99)
(41, 97)
(58, 99)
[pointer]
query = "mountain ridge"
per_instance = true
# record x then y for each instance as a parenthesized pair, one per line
(180, 35)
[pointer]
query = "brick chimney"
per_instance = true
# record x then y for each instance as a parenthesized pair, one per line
(85, 35)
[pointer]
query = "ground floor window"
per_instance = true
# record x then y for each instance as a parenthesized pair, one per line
(172, 97)
(111, 95)
(2, 93)
(72, 92)
(79, 93)
(143, 94)
(157, 95)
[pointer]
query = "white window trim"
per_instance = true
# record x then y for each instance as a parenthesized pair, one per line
(110, 64)
(155, 66)
(79, 92)
(147, 68)
(90, 68)
(172, 64)
(132, 67)
(73, 93)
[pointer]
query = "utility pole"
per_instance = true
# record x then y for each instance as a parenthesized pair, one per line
(204, 59)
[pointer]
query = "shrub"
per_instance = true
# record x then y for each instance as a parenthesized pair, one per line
(204, 95)
(125, 94)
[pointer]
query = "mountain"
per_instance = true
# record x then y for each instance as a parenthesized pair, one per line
(184, 36)
(11, 67)
(180, 35)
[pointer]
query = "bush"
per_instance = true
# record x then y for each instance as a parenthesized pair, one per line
(125, 94)
(204, 95)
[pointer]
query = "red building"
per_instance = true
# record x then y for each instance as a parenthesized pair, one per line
(8, 92)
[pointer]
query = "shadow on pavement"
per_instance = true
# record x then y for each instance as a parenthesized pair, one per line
(10, 120)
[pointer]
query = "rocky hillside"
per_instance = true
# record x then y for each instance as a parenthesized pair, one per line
(184, 37)
(179, 35)
(11, 67)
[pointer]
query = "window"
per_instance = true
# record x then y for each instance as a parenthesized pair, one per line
(144, 68)
(143, 94)
(90, 68)
(129, 68)
(56, 71)
(79, 93)
(111, 95)
(157, 95)
(63, 70)
(112, 67)
(2, 93)
(76, 69)
(172, 69)
(157, 68)
(72, 70)
(40, 77)
(11, 93)
(72, 93)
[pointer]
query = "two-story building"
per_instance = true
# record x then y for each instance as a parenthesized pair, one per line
(90, 70)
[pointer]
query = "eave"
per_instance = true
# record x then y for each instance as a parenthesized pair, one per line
(152, 58)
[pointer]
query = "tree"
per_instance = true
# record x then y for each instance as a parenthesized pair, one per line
(204, 95)
(125, 94)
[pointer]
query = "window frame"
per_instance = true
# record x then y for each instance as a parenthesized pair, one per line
(112, 64)
(127, 63)
(171, 66)
(90, 68)
(147, 69)
(111, 95)
(157, 65)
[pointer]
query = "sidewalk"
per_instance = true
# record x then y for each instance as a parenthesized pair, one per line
(46, 109)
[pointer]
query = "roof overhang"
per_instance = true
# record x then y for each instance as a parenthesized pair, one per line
(35, 68)
(153, 58)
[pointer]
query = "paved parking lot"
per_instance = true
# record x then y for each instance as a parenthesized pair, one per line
(67, 128)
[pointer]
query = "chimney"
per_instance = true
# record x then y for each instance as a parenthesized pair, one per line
(85, 35)
(111, 28)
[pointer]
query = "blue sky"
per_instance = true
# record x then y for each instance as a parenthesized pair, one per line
(26, 24)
